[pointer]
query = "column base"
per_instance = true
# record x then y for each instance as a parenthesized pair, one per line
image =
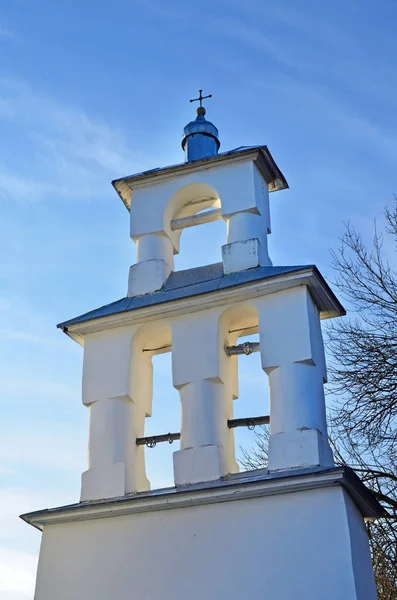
(109, 482)
(243, 255)
(194, 465)
(147, 277)
(298, 449)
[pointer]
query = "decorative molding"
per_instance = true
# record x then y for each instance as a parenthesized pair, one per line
(260, 155)
(253, 484)
(310, 277)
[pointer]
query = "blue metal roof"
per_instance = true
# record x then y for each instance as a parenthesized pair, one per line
(183, 284)
(201, 138)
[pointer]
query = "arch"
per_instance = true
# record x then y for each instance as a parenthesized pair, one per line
(247, 380)
(148, 341)
(187, 201)
(235, 322)
(240, 319)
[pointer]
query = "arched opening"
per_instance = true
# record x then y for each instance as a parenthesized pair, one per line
(201, 245)
(165, 418)
(252, 397)
(195, 210)
(254, 400)
(154, 394)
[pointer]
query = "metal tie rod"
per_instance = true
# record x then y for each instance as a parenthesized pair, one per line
(249, 422)
(198, 219)
(244, 348)
(151, 441)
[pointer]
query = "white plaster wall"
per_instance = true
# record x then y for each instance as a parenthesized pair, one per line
(238, 188)
(200, 369)
(106, 364)
(362, 566)
(293, 356)
(153, 206)
(117, 388)
(287, 547)
(262, 197)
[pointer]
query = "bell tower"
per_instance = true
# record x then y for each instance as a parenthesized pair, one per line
(292, 530)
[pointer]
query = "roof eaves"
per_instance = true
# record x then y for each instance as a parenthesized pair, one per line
(210, 282)
(260, 154)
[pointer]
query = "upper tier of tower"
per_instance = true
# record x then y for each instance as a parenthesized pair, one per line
(233, 186)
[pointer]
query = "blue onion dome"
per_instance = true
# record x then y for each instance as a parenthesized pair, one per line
(200, 138)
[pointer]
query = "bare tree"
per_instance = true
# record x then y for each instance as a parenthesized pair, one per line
(363, 375)
(363, 381)
(256, 457)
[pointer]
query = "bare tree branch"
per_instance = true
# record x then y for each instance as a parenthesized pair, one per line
(363, 379)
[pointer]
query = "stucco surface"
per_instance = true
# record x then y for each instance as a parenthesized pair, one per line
(290, 546)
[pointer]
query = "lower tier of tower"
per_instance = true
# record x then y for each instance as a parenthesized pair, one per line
(286, 537)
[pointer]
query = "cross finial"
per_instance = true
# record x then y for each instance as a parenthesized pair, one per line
(201, 98)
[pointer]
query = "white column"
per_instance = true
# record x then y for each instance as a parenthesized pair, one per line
(248, 224)
(293, 357)
(155, 262)
(246, 245)
(115, 463)
(300, 386)
(198, 360)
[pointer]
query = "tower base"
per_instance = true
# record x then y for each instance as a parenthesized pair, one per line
(287, 536)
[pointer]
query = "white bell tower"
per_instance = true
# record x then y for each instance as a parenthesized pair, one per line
(294, 530)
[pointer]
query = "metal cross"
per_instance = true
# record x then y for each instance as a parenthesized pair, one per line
(200, 98)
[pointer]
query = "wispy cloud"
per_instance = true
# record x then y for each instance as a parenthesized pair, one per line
(339, 119)
(19, 543)
(17, 573)
(45, 445)
(6, 34)
(72, 151)
(17, 186)
(255, 38)
(307, 24)
(322, 109)
(21, 321)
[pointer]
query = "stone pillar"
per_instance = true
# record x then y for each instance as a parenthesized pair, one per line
(199, 371)
(246, 245)
(115, 463)
(293, 357)
(155, 262)
(248, 224)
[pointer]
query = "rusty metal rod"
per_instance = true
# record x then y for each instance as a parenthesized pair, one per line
(244, 348)
(198, 219)
(249, 422)
(151, 441)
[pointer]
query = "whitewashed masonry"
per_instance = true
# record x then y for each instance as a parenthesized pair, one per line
(294, 530)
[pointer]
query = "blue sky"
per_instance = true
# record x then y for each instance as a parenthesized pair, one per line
(91, 91)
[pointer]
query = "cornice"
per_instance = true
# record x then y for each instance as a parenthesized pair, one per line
(254, 484)
(326, 302)
(260, 155)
